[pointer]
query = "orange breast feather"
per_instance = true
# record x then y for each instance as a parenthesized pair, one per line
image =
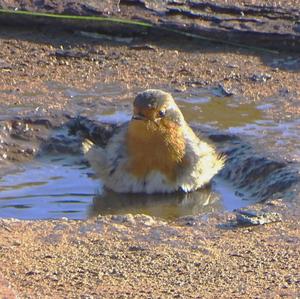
(154, 146)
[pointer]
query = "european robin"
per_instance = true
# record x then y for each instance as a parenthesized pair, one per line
(155, 152)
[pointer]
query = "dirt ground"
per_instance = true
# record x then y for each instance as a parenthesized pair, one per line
(142, 257)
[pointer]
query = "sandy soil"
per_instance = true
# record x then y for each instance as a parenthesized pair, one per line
(141, 257)
(29, 59)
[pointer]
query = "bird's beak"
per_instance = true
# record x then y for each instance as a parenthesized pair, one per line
(138, 117)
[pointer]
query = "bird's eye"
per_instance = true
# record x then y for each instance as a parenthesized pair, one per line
(162, 113)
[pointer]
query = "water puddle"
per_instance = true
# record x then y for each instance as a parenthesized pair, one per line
(198, 107)
(51, 187)
(56, 187)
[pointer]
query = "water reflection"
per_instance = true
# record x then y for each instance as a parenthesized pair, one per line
(168, 206)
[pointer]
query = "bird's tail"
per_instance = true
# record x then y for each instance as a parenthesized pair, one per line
(222, 159)
(87, 145)
(95, 156)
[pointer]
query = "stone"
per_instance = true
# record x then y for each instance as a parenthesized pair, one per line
(262, 78)
(252, 217)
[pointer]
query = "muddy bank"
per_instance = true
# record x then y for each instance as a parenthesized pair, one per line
(267, 26)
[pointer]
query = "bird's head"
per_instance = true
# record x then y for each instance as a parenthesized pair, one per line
(156, 106)
(155, 131)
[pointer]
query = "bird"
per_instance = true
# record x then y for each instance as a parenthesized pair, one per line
(155, 152)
